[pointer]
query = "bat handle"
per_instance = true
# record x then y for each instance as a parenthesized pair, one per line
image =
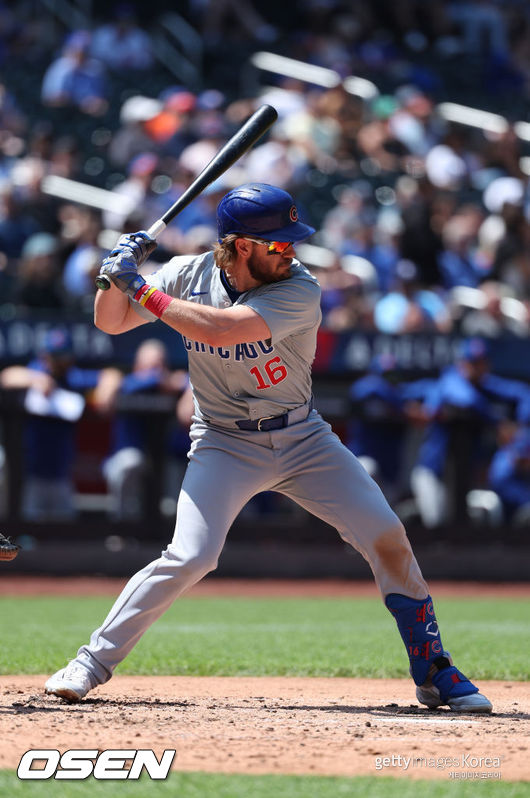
(156, 228)
(103, 282)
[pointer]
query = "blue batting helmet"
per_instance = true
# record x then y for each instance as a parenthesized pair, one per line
(257, 209)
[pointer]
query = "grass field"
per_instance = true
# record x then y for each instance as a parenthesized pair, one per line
(212, 785)
(489, 638)
(349, 637)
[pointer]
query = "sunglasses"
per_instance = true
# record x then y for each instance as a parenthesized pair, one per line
(273, 247)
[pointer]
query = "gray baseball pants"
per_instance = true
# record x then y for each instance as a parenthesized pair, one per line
(306, 462)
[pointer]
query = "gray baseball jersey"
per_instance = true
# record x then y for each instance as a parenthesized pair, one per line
(228, 465)
(252, 380)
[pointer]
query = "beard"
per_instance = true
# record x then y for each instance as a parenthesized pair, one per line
(263, 275)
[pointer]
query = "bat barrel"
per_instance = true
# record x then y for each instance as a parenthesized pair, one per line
(260, 121)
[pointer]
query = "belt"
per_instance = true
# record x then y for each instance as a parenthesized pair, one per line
(268, 423)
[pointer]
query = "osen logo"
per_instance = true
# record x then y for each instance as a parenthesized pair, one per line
(79, 764)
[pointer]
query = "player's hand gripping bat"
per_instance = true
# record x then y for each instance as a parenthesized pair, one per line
(246, 136)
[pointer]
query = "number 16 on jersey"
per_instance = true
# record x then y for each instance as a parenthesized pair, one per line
(274, 370)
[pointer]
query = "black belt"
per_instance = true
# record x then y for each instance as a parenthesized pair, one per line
(268, 423)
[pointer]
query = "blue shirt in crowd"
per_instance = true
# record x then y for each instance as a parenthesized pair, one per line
(507, 478)
(49, 442)
(487, 402)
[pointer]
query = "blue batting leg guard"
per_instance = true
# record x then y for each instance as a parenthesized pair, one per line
(438, 681)
(419, 631)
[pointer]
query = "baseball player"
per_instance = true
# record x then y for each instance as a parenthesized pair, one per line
(249, 313)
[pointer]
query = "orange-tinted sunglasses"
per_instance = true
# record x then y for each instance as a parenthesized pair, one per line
(273, 247)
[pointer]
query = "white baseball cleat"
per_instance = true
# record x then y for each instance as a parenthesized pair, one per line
(71, 683)
(474, 702)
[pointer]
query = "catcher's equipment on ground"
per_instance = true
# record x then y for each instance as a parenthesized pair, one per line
(8, 550)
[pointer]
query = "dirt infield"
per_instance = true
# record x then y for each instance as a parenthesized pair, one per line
(342, 727)
(275, 725)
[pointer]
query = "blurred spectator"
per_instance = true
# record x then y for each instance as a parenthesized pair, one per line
(288, 97)
(197, 155)
(382, 254)
(377, 140)
(451, 162)
(180, 122)
(134, 190)
(348, 111)
(458, 262)
(81, 228)
(412, 123)
(377, 432)
(11, 117)
(501, 156)
(65, 158)
(342, 222)
(511, 256)
(408, 308)
(121, 44)
(352, 228)
(275, 162)
(233, 19)
(490, 310)
(40, 142)
(417, 23)
(126, 470)
(465, 405)
(16, 225)
(39, 284)
(53, 402)
(196, 225)
(343, 298)
(75, 79)
(313, 134)
(424, 213)
(509, 477)
(26, 175)
(132, 137)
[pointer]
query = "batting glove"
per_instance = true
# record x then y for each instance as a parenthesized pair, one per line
(140, 245)
(121, 264)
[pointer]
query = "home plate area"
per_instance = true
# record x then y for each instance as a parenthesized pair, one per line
(326, 726)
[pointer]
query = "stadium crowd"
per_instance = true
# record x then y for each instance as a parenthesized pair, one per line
(423, 223)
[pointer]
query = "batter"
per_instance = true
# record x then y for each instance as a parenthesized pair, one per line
(249, 314)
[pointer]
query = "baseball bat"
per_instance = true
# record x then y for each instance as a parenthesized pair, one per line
(246, 136)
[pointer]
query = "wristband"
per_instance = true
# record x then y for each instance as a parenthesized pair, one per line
(152, 299)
